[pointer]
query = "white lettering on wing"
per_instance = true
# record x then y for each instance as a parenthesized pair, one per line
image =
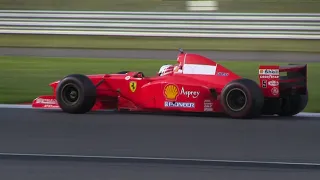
(208, 105)
(46, 101)
(193, 94)
(179, 104)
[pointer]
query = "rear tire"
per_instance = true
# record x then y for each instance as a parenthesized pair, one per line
(76, 94)
(242, 98)
(293, 105)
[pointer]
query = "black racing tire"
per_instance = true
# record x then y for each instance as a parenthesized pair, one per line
(76, 94)
(293, 105)
(242, 99)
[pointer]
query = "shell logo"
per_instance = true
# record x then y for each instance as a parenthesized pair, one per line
(171, 92)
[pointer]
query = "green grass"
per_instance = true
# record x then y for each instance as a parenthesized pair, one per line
(24, 78)
(273, 6)
(105, 42)
(164, 5)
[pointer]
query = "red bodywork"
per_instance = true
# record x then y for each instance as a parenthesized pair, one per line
(196, 89)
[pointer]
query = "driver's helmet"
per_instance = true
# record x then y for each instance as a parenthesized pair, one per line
(165, 70)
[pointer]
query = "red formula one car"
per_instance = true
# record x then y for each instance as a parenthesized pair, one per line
(201, 85)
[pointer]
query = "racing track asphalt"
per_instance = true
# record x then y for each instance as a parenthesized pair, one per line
(146, 135)
(26, 170)
(160, 54)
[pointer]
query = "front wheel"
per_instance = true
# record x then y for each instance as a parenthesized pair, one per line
(242, 98)
(76, 94)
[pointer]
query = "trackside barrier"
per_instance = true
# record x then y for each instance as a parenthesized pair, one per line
(162, 24)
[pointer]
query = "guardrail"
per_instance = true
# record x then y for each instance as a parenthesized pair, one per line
(162, 24)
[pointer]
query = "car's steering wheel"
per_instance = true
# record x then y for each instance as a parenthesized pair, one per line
(139, 75)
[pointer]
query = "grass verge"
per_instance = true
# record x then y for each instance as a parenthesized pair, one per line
(278, 6)
(24, 78)
(105, 42)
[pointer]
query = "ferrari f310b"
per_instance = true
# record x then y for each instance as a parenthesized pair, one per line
(196, 84)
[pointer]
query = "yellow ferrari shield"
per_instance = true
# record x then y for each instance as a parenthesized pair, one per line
(133, 86)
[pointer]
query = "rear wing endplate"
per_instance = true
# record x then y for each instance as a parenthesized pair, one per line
(277, 81)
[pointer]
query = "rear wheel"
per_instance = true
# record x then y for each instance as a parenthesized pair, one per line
(76, 94)
(242, 98)
(293, 105)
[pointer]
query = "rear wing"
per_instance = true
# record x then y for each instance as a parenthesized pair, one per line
(280, 81)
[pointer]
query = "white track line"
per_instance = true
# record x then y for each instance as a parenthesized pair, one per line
(307, 114)
(157, 159)
(18, 106)
(15, 106)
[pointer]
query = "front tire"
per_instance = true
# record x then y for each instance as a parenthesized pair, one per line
(242, 98)
(76, 94)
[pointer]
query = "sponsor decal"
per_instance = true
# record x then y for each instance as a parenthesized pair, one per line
(51, 106)
(199, 69)
(193, 94)
(127, 78)
(222, 74)
(171, 92)
(133, 86)
(179, 104)
(47, 101)
(207, 105)
(275, 91)
(269, 71)
(268, 77)
(273, 83)
(264, 84)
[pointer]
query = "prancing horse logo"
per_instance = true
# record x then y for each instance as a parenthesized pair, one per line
(133, 86)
